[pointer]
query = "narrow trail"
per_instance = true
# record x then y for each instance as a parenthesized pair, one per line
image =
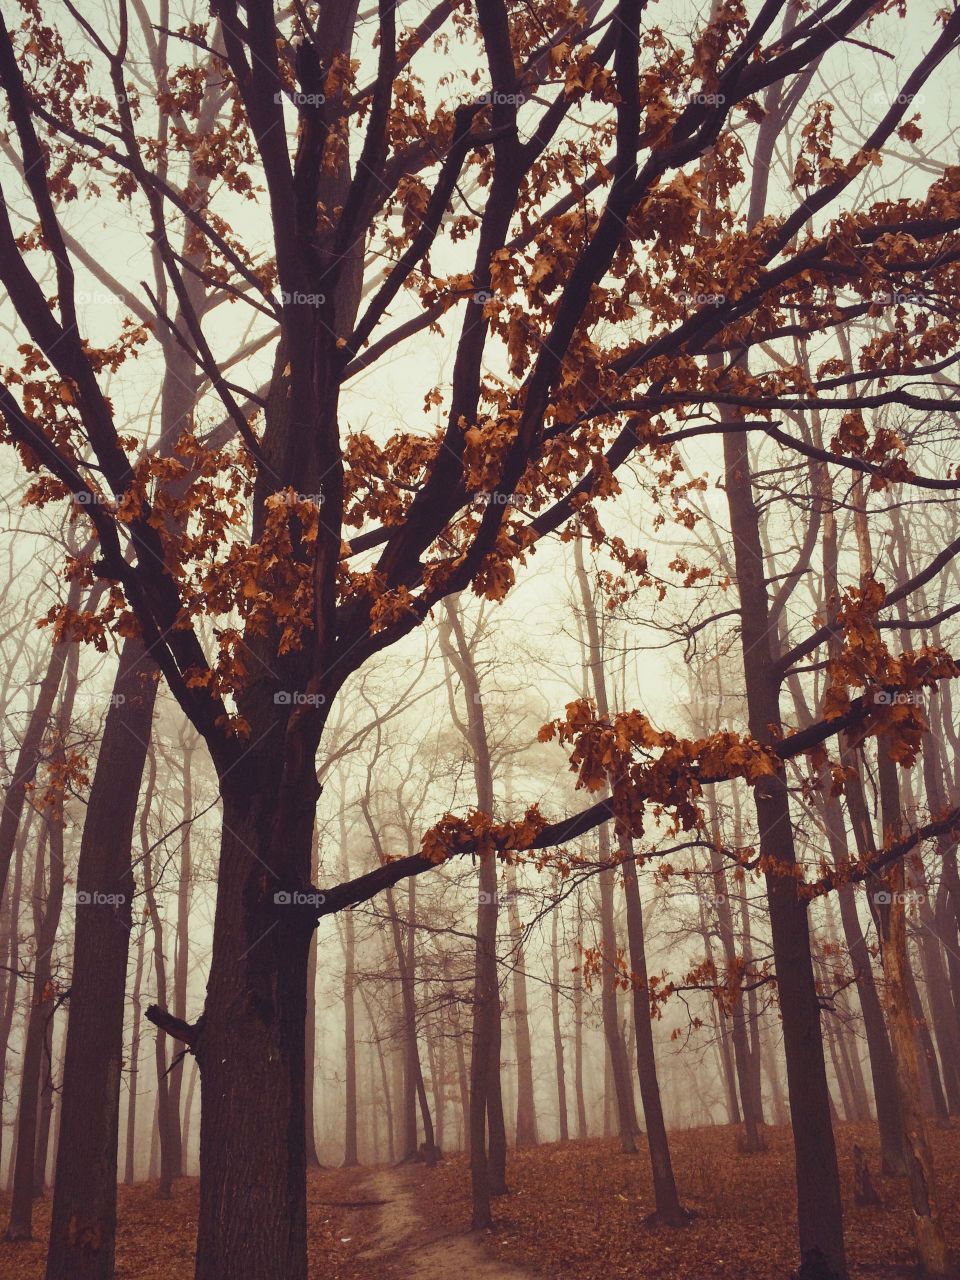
(401, 1235)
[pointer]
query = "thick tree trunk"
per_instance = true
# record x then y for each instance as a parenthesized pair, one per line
(250, 1043)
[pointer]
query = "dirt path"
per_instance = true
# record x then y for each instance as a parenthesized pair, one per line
(402, 1236)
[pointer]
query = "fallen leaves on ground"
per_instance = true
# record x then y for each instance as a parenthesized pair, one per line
(577, 1209)
(156, 1238)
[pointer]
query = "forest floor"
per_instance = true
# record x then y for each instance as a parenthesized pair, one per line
(576, 1210)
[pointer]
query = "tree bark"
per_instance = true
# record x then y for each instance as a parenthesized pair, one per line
(819, 1204)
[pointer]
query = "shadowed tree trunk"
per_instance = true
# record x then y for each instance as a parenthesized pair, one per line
(43, 996)
(83, 1227)
(820, 1212)
(181, 959)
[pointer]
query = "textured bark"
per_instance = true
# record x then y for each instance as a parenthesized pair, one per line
(250, 1043)
(42, 1004)
(892, 926)
(83, 1227)
(819, 1205)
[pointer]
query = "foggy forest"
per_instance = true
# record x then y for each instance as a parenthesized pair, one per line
(479, 608)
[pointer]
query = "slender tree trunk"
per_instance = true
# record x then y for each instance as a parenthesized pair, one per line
(134, 1073)
(350, 1140)
(47, 918)
(20, 1225)
(892, 924)
(181, 960)
(310, 1064)
(526, 1106)
(557, 1032)
(167, 1149)
(582, 1131)
(668, 1207)
(819, 1205)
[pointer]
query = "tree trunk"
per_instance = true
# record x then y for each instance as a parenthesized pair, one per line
(819, 1205)
(892, 927)
(582, 1131)
(164, 1110)
(669, 1209)
(250, 1044)
(526, 1106)
(20, 1225)
(181, 960)
(134, 1072)
(83, 1227)
(351, 1156)
(557, 1032)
